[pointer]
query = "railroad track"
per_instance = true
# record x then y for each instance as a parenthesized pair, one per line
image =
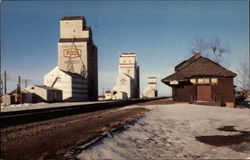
(13, 118)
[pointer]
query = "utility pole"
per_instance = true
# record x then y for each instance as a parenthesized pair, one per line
(1, 86)
(25, 82)
(19, 81)
(18, 90)
(5, 82)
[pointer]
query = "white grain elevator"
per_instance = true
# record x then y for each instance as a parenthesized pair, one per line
(77, 70)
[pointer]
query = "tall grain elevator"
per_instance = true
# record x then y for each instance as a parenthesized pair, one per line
(77, 71)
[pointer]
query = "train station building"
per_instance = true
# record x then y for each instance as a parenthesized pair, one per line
(201, 80)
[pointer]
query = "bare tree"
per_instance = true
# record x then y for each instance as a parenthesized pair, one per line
(217, 49)
(244, 75)
(243, 80)
(212, 48)
(198, 45)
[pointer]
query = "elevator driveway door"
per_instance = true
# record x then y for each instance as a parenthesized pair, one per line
(204, 93)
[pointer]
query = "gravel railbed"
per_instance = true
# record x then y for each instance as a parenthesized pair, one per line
(51, 139)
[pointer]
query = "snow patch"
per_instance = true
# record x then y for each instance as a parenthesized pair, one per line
(137, 106)
(41, 105)
(169, 131)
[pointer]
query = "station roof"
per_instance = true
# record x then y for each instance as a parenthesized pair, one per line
(199, 66)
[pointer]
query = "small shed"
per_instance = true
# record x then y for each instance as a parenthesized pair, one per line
(42, 93)
(108, 95)
(199, 79)
(7, 99)
(19, 95)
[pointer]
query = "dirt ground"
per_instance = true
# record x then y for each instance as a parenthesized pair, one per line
(222, 140)
(155, 102)
(52, 138)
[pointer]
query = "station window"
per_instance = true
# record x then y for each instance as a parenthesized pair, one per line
(206, 80)
(203, 81)
(214, 80)
(193, 80)
(200, 80)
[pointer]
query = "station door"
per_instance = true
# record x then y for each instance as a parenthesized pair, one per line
(204, 93)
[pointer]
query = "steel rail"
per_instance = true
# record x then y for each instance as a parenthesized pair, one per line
(13, 118)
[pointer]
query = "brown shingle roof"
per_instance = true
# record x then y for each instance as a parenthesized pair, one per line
(199, 67)
(184, 64)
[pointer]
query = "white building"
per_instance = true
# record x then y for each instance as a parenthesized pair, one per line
(108, 95)
(151, 90)
(74, 87)
(44, 93)
(127, 84)
(77, 72)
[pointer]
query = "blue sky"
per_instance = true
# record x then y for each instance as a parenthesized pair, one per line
(160, 32)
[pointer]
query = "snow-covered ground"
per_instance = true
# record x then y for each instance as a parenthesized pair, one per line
(28, 106)
(169, 131)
